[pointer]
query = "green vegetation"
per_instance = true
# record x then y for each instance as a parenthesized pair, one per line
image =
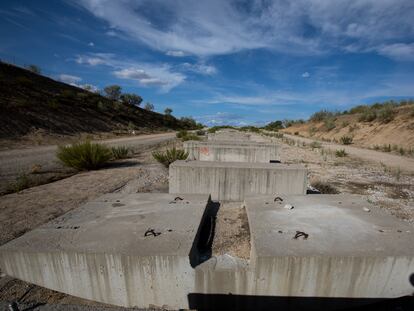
(84, 155)
(169, 156)
(201, 132)
(168, 111)
(113, 92)
(329, 124)
(220, 127)
(149, 107)
(250, 129)
(131, 99)
(274, 126)
(184, 135)
(34, 68)
(22, 182)
(346, 140)
(120, 152)
(340, 153)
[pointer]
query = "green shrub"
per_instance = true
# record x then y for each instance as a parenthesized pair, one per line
(321, 115)
(329, 124)
(345, 123)
(346, 140)
(386, 148)
(401, 150)
(190, 137)
(84, 155)
(181, 134)
(120, 152)
(169, 156)
(296, 133)
(201, 133)
(386, 114)
(340, 153)
(368, 115)
(22, 182)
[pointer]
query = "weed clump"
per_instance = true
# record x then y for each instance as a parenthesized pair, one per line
(346, 140)
(324, 187)
(169, 156)
(340, 153)
(84, 155)
(120, 152)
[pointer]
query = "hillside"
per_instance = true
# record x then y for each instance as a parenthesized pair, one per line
(381, 127)
(31, 102)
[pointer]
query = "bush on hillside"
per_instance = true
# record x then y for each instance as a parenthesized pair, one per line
(169, 156)
(84, 155)
(346, 140)
(386, 114)
(340, 153)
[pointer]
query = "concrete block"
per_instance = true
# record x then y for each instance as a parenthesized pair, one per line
(231, 151)
(328, 246)
(133, 250)
(232, 181)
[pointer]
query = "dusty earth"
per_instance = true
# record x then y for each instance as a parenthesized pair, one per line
(232, 235)
(387, 187)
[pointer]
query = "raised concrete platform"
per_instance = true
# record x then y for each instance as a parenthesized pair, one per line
(232, 181)
(328, 246)
(230, 151)
(132, 250)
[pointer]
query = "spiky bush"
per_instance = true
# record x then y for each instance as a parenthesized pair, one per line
(346, 140)
(340, 153)
(84, 155)
(169, 156)
(120, 152)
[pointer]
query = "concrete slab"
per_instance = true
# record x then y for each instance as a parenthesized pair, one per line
(232, 181)
(232, 151)
(132, 250)
(341, 249)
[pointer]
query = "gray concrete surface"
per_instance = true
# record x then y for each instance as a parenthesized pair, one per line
(232, 181)
(348, 252)
(19, 161)
(101, 252)
(230, 151)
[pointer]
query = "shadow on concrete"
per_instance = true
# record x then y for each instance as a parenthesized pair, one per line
(203, 242)
(202, 302)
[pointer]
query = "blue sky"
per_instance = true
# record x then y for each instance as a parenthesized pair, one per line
(221, 62)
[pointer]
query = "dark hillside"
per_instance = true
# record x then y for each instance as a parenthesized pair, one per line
(30, 101)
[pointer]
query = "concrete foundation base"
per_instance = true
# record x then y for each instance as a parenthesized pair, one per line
(232, 181)
(317, 252)
(230, 151)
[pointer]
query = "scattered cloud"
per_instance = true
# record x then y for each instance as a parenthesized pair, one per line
(398, 51)
(146, 74)
(221, 27)
(91, 44)
(200, 68)
(175, 53)
(305, 74)
(69, 79)
(221, 118)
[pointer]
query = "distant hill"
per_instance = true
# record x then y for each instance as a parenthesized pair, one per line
(29, 101)
(382, 126)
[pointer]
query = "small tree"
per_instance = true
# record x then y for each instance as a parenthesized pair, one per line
(113, 92)
(148, 106)
(168, 111)
(131, 99)
(34, 68)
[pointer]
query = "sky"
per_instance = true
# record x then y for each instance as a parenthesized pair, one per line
(221, 62)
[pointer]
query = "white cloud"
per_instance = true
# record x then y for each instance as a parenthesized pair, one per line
(146, 74)
(69, 79)
(175, 53)
(217, 27)
(305, 74)
(91, 44)
(200, 68)
(399, 51)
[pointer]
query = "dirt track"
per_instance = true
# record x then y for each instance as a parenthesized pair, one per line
(391, 160)
(21, 161)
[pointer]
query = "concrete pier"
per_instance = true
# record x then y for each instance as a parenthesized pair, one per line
(133, 250)
(232, 151)
(232, 181)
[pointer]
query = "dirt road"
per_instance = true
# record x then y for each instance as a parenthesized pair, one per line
(390, 160)
(21, 161)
